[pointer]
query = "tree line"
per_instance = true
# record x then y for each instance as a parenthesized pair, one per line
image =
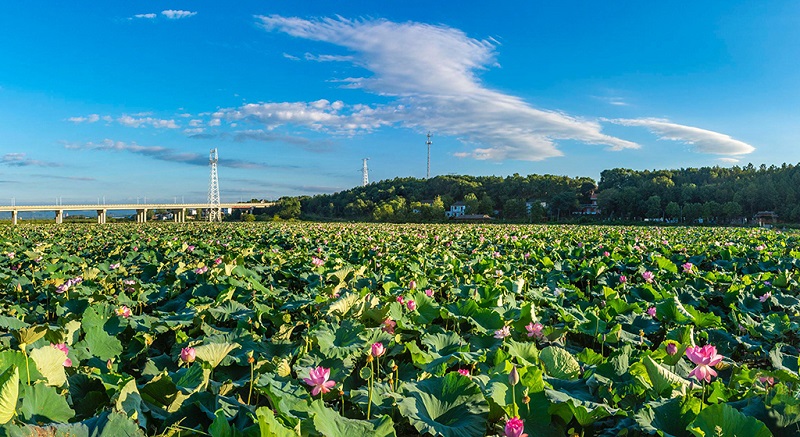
(712, 194)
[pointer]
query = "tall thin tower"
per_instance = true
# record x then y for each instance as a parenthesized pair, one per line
(364, 172)
(214, 209)
(428, 173)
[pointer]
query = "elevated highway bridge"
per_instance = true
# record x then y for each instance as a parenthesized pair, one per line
(178, 210)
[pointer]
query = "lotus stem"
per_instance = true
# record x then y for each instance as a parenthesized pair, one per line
(370, 384)
(250, 391)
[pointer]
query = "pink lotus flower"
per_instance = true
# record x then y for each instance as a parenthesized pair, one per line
(411, 305)
(124, 311)
(317, 261)
(768, 381)
(672, 349)
(190, 248)
(400, 300)
(318, 378)
(114, 266)
(687, 267)
(388, 326)
(535, 330)
(188, 355)
(429, 292)
(623, 279)
(218, 261)
(378, 349)
(514, 428)
(11, 254)
(760, 247)
(412, 284)
(606, 253)
(503, 332)
(651, 312)
(765, 297)
(648, 276)
(64, 348)
(201, 270)
(463, 372)
(705, 357)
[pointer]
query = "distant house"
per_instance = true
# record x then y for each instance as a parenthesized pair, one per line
(590, 208)
(456, 210)
(765, 218)
(530, 203)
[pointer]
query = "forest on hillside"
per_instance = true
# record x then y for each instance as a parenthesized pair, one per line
(719, 195)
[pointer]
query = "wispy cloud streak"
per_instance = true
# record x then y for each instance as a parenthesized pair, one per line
(701, 140)
(432, 71)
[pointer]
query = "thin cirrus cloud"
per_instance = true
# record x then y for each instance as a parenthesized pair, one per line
(22, 160)
(431, 71)
(135, 120)
(164, 154)
(701, 140)
(171, 14)
(321, 115)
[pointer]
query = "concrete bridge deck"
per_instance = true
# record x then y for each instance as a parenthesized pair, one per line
(178, 209)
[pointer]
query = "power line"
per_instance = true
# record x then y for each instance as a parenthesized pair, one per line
(428, 173)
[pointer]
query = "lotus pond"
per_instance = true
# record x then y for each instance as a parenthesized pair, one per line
(356, 329)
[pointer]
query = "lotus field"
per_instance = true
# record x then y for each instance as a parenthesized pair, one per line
(357, 329)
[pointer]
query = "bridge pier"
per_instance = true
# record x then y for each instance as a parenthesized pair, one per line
(141, 215)
(101, 216)
(14, 216)
(59, 216)
(179, 215)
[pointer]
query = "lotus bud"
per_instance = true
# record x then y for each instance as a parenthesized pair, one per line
(513, 377)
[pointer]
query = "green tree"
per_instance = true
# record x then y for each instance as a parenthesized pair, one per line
(653, 207)
(471, 200)
(673, 210)
(289, 208)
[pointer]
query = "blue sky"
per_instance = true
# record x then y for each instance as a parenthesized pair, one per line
(123, 100)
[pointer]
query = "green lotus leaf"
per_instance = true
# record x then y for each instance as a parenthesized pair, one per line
(129, 400)
(665, 382)
(214, 353)
(722, 419)
(669, 418)
(50, 363)
(451, 406)
(271, 427)
(526, 353)
(330, 424)
(341, 341)
(42, 403)
(559, 363)
(9, 393)
(29, 335)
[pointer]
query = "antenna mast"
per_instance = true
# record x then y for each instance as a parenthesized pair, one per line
(365, 172)
(214, 209)
(428, 174)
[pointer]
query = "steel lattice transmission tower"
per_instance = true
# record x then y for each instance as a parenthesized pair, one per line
(364, 172)
(214, 209)
(428, 173)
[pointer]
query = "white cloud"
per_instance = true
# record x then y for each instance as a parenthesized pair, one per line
(131, 121)
(91, 118)
(432, 73)
(147, 16)
(701, 140)
(320, 115)
(328, 58)
(163, 154)
(177, 14)
(728, 160)
(22, 160)
(291, 57)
